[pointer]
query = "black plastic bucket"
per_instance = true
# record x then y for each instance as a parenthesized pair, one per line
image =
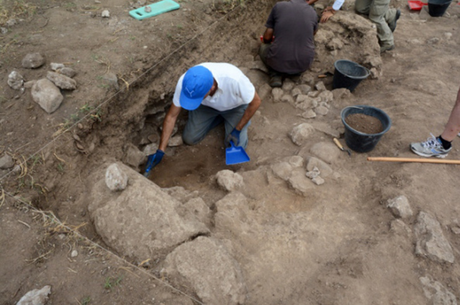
(363, 142)
(348, 74)
(437, 8)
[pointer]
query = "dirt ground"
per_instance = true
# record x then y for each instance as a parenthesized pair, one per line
(355, 255)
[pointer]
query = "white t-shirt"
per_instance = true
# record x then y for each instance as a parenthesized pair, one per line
(233, 87)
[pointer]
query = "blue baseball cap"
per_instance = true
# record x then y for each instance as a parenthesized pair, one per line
(196, 84)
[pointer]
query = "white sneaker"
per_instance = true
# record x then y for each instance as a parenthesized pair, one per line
(432, 147)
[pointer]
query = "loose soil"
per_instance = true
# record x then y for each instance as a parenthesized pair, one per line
(356, 254)
(364, 123)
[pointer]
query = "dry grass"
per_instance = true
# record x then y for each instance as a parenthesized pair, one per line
(15, 9)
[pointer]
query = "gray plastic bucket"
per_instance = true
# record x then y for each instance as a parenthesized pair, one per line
(348, 74)
(363, 142)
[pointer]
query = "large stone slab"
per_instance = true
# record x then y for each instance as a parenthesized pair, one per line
(206, 266)
(431, 242)
(141, 221)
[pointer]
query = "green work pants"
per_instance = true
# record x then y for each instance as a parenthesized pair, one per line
(380, 14)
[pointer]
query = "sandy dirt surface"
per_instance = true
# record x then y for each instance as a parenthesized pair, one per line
(353, 249)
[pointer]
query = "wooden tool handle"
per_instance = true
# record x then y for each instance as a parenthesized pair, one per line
(338, 144)
(391, 159)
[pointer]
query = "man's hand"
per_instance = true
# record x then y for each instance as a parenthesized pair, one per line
(234, 136)
(327, 13)
(153, 160)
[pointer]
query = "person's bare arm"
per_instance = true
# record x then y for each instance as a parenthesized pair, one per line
(249, 112)
(268, 35)
(168, 126)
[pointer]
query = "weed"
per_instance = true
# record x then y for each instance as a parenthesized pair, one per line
(108, 283)
(112, 282)
(132, 37)
(104, 86)
(98, 115)
(86, 108)
(70, 5)
(36, 159)
(85, 301)
(16, 9)
(60, 167)
(74, 117)
(180, 27)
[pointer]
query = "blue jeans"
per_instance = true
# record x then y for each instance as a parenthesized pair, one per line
(203, 119)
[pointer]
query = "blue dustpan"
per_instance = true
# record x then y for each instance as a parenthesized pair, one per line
(235, 155)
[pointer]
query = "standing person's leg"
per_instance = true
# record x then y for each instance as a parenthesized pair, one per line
(379, 14)
(453, 124)
(200, 122)
(231, 119)
(363, 6)
(440, 146)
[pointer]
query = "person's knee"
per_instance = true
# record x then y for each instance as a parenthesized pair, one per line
(189, 138)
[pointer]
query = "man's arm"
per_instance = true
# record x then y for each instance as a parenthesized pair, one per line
(249, 112)
(268, 35)
(168, 125)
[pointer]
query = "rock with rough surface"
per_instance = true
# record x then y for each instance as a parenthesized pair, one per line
(400, 207)
(282, 169)
(47, 95)
(6, 162)
(62, 81)
(142, 221)
(36, 296)
(322, 166)
(326, 151)
(309, 114)
(321, 110)
(296, 161)
(299, 182)
(198, 207)
(430, 240)
(69, 72)
(150, 149)
(437, 293)
(277, 94)
(15, 80)
(175, 141)
(133, 156)
(206, 266)
(300, 133)
(33, 61)
(115, 178)
(228, 180)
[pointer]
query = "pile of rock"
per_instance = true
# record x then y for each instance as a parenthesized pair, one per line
(46, 91)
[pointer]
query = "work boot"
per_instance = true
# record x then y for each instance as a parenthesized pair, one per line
(392, 25)
(387, 47)
(276, 81)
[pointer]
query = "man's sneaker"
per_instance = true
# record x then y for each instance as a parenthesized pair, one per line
(387, 47)
(392, 24)
(432, 147)
(458, 134)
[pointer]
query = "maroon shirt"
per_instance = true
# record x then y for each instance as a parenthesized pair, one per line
(294, 24)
